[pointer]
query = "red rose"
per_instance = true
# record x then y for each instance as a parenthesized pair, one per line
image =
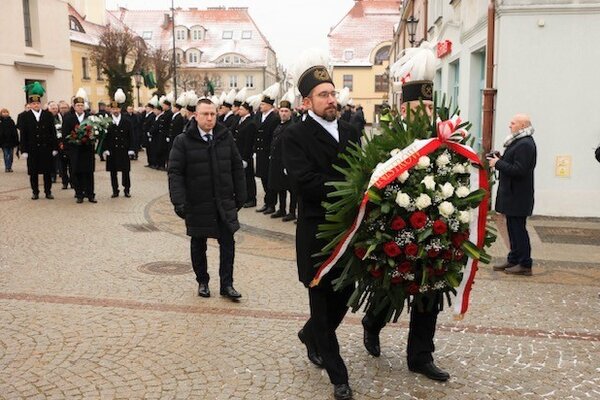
(360, 252)
(418, 219)
(458, 238)
(430, 271)
(396, 279)
(404, 267)
(439, 271)
(83, 139)
(413, 288)
(88, 128)
(411, 249)
(458, 254)
(447, 255)
(439, 227)
(392, 249)
(432, 253)
(74, 135)
(398, 223)
(376, 272)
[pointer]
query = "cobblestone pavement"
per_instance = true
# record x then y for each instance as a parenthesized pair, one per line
(98, 301)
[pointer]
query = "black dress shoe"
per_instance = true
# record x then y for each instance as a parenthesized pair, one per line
(35, 196)
(250, 204)
(269, 210)
(278, 214)
(431, 371)
(289, 217)
(65, 187)
(342, 392)
(230, 292)
(371, 341)
(311, 349)
(115, 194)
(49, 196)
(127, 194)
(262, 209)
(203, 290)
(79, 200)
(92, 200)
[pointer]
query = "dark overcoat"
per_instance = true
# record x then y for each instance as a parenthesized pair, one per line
(177, 124)
(9, 137)
(147, 123)
(263, 144)
(208, 179)
(82, 156)
(38, 140)
(278, 181)
(163, 128)
(244, 135)
(515, 187)
(309, 154)
(119, 141)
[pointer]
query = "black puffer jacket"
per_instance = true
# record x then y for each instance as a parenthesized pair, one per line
(208, 178)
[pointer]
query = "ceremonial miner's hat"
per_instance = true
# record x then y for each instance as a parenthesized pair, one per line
(287, 101)
(192, 101)
(415, 70)
(153, 102)
(311, 70)
(252, 102)
(119, 99)
(270, 94)
(181, 101)
(228, 99)
(81, 96)
(35, 91)
(240, 97)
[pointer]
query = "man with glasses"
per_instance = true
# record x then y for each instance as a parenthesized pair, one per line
(207, 188)
(311, 149)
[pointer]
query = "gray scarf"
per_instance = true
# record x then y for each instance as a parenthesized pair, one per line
(520, 134)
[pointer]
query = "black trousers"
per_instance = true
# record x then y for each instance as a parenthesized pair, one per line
(115, 182)
(421, 330)
(520, 246)
(283, 200)
(151, 152)
(327, 310)
(226, 257)
(250, 181)
(65, 170)
(83, 182)
(270, 196)
(34, 182)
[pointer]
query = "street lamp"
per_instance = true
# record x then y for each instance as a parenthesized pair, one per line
(138, 82)
(411, 28)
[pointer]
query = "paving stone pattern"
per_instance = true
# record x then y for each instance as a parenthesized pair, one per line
(97, 301)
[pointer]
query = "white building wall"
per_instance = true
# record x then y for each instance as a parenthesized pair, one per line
(547, 66)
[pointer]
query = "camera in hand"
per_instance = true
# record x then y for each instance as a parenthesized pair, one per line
(493, 154)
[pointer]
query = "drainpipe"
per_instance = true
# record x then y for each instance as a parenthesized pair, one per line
(489, 93)
(425, 6)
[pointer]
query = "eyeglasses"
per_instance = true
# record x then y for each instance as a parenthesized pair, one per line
(325, 95)
(207, 114)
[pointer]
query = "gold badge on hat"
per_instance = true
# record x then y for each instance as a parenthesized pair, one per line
(321, 74)
(427, 90)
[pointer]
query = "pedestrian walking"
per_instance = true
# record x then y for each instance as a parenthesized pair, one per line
(9, 138)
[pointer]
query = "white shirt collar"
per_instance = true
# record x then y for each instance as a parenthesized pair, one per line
(245, 117)
(160, 114)
(36, 114)
(175, 114)
(80, 117)
(116, 120)
(265, 115)
(331, 127)
(229, 114)
(203, 134)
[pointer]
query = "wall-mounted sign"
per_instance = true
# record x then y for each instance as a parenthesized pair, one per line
(444, 48)
(563, 166)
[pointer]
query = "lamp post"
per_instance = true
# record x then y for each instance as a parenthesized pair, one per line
(411, 28)
(138, 82)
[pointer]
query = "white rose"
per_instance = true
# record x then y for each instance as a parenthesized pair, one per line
(458, 169)
(442, 160)
(424, 162)
(447, 190)
(58, 135)
(429, 182)
(462, 191)
(402, 199)
(446, 209)
(403, 177)
(423, 201)
(464, 217)
(394, 152)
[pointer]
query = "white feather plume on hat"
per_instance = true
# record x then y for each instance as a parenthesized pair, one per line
(223, 97)
(242, 94)
(216, 100)
(254, 101)
(417, 64)
(272, 91)
(82, 93)
(120, 96)
(154, 101)
(162, 99)
(343, 96)
(192, 98)
(182, 100)
(290, 96)
(309, 58)
(170, 97)
(230, 96)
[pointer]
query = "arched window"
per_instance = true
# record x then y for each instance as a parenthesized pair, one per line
(383, 54)
(193, 56)
(74, 25)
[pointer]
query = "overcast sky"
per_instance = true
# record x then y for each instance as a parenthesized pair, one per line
(289, 25)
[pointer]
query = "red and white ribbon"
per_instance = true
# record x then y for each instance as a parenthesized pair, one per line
(385, 173)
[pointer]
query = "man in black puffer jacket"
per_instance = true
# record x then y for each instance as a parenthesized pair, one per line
(207, 188)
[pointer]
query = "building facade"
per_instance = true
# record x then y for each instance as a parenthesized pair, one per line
(220, 45)
(359, 48)
(35, 51)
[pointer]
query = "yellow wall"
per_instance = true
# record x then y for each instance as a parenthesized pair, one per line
(363, 91)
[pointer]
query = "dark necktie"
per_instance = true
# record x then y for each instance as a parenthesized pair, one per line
(208, 137)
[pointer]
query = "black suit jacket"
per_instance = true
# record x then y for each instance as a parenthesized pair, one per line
(177, 125)
(119, 141)
(309, 154)
(263, 143)
(38, 140)
(82, 156)
(244, 135)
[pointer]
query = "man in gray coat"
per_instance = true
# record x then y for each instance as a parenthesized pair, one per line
(207, 188)
(515, 192)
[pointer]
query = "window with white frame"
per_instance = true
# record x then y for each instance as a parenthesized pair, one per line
(197, 34)
(249, 81)
(233, 81)
(180, 34)
(246, 34)
(348, 55)
(454, 81)
(227, 34)
(435, 11)
(193, 57)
